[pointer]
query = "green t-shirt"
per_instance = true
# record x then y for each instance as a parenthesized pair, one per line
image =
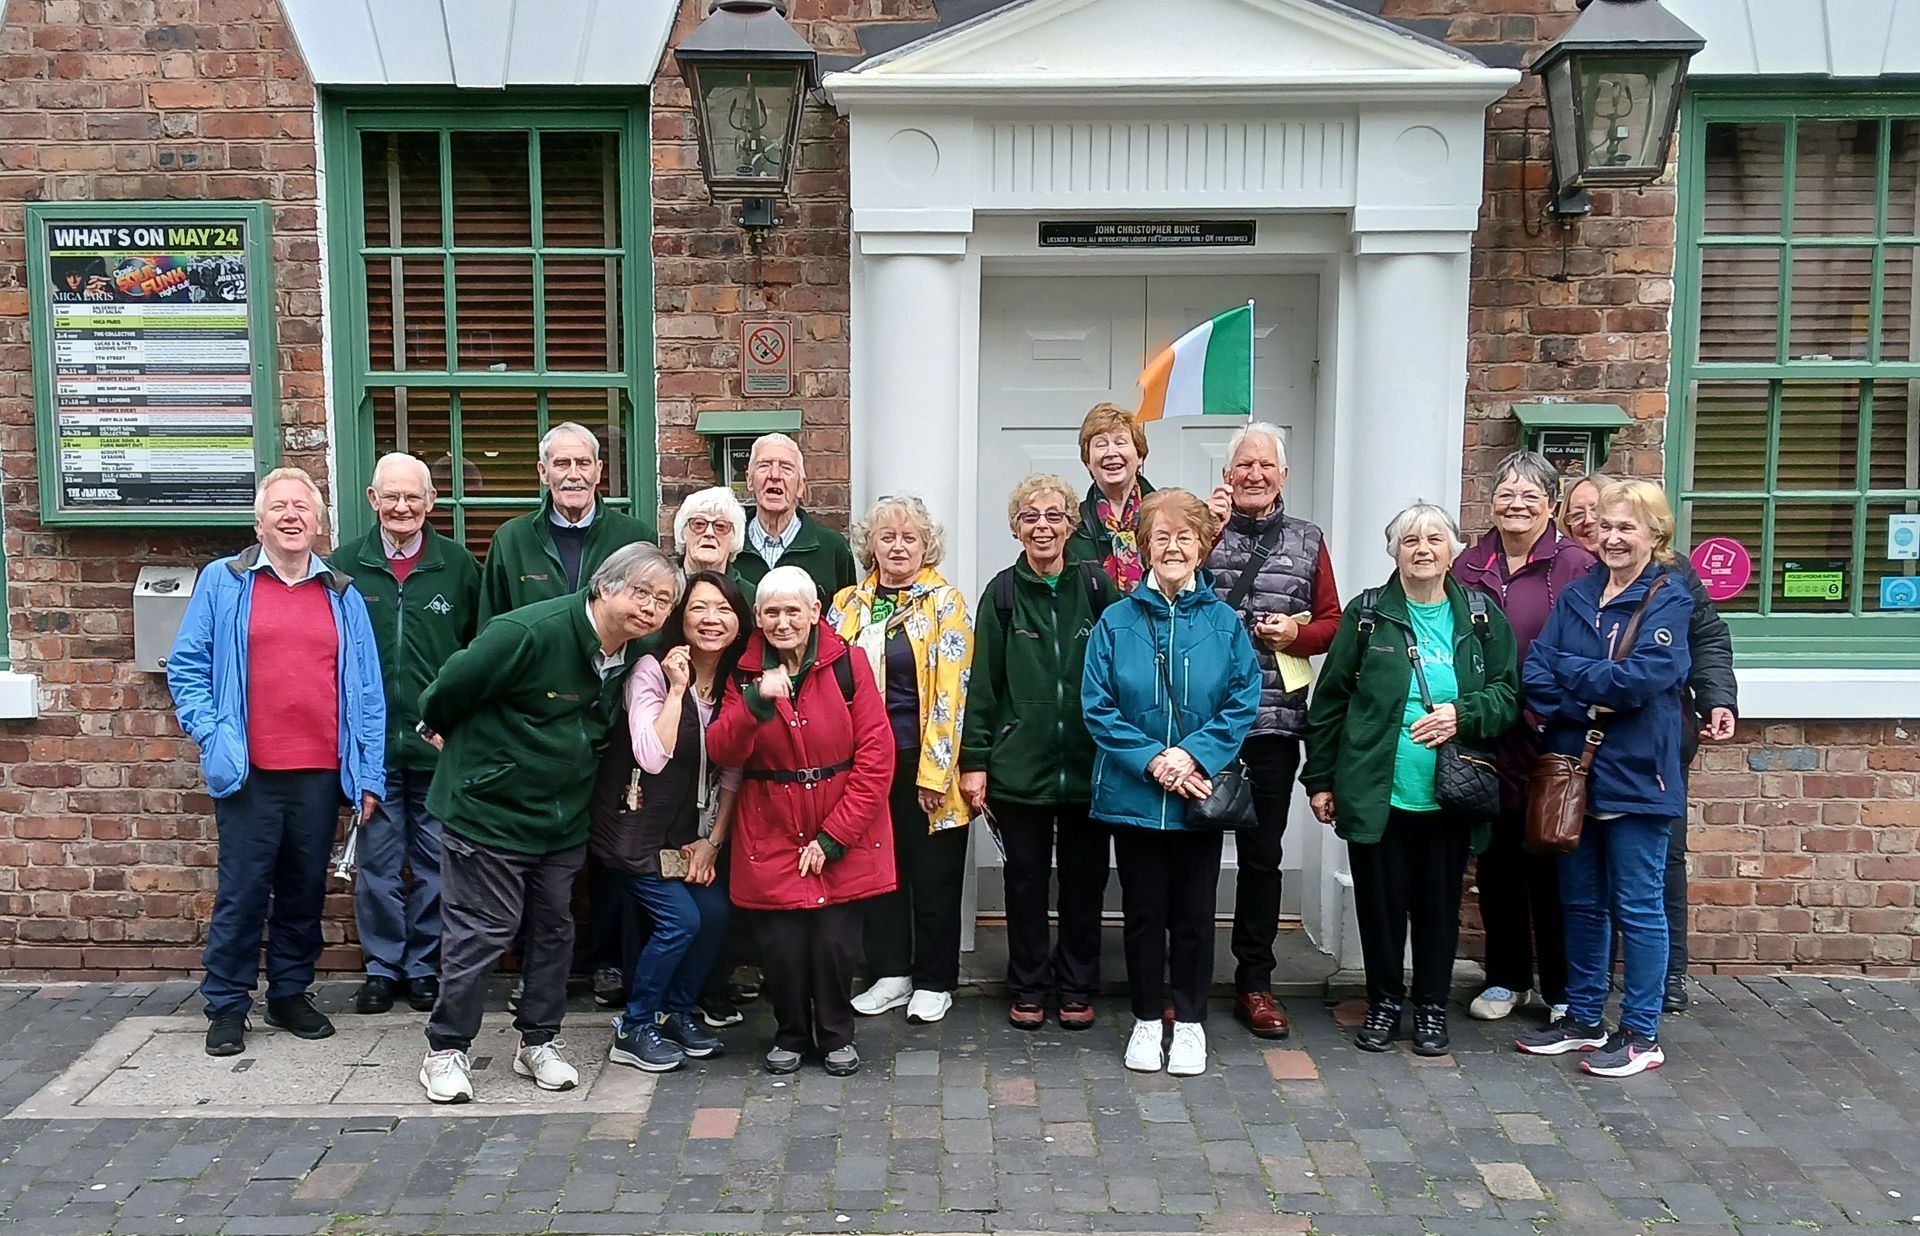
(1413, 764)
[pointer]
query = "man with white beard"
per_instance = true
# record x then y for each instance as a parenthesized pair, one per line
(553, 551)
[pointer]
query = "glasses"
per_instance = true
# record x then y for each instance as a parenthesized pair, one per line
(701, 524)
(1185, 540)
(391, 500)
(1033, 519)
(649, 600)
(1531, 499)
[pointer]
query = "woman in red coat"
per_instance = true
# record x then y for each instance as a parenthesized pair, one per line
(807, 727)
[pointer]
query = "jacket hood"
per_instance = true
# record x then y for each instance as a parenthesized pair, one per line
(1254, 525)
(371, 552)
(1480, 559)
(928, 580)
(1589, 587)
(828, 647)
(249, 558)
(1200, 594)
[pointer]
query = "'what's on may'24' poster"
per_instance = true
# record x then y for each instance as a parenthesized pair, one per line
(152, 364)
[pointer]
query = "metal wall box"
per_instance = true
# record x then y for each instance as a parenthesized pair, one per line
(160, 597)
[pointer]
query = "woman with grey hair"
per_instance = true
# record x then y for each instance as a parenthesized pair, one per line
(1372, 743)
(912, 629)
(1523, 565)
(710, 530)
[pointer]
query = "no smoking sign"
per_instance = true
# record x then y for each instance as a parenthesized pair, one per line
(766, 357)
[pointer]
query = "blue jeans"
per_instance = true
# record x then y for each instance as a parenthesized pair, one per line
(1616, 878)
(275, 834)
(689, 930)
(400, 923)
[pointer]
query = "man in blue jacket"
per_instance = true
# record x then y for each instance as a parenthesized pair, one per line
(276, 678)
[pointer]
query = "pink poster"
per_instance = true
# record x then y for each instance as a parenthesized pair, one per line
(1725, 567)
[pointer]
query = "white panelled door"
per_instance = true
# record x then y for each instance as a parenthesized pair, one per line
(1052, 347)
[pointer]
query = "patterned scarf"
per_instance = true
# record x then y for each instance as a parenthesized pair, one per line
(1122, 565)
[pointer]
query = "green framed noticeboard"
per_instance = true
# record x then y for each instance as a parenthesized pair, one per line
(153, 360)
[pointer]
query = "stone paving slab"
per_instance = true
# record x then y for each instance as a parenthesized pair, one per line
(1788, 1106)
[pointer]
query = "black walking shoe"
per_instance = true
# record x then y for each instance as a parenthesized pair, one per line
(695, 1039)
(717, 1010)
(842, 1061)
(1676, 999)
(297, 1016)
(1560, 1037)
(375, 995)
(422, 993)
(1430, 1030)
(644, 1048)
(227, 1034)
(1380, 1029)
(609, 989)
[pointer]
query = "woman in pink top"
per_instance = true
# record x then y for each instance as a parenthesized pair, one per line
(661, 815)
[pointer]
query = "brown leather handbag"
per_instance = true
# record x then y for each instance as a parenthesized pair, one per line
(1557, 790)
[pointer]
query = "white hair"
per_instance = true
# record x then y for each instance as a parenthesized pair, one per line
(717, 502)
(776, 439)
(634, 564)
(289, 474)
(1419, 516)
(1262, 431)
(394, 459)
(574, 428)
(786, 583)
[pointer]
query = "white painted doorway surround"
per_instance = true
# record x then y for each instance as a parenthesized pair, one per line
(1354, 146)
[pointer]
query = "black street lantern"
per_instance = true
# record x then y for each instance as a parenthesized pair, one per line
(1613, 83)
(749, 73)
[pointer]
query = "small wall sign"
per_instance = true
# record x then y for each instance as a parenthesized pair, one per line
(766, 357)
(1899, 592)
(1724, 565)
(1903, 537)
(1814, 581)
(1145, 233)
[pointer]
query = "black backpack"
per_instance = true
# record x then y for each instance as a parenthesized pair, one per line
(1090, 576)
(1476, 608)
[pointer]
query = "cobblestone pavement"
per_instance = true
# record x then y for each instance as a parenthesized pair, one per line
(1789, 1105)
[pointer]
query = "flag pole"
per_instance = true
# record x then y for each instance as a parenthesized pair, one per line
(1252, 340)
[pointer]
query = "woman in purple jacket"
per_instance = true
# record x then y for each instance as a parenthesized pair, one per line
(1524, 564)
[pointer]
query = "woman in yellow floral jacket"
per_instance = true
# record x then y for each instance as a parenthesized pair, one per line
(913, 627)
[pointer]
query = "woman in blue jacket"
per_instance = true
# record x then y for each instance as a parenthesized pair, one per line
(1171, 689)
(1636, 788)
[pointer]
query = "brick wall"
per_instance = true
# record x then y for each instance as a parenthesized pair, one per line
(106, 844)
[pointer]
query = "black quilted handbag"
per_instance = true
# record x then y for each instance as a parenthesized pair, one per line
(1230, 806)
(1465, 781)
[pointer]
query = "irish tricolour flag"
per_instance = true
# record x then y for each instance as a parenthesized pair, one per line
(1207, 370)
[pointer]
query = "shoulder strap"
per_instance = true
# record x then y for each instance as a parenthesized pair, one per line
(1369, 610)
(1632, 629)
(1003, 598)
(1257, 556)
(1092, 576)
(843, 674)
(1477, 613)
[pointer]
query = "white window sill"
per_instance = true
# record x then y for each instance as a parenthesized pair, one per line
(1822, 694)
(19, 696)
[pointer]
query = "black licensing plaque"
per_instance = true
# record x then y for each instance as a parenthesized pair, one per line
(153, 360)
(1145, 233)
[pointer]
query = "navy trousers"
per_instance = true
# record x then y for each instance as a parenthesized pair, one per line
(400, 920)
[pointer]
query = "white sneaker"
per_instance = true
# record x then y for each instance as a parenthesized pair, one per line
(1495, 1004)
(1143, 1049)
(1556, 1013)
(447, 1076)
(885, 994)
(544, 1064)
(1188, 1055)
(928, 1006)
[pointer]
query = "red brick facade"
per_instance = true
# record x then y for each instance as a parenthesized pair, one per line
(1805, 845)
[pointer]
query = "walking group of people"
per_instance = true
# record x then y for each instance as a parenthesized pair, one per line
(762, 752)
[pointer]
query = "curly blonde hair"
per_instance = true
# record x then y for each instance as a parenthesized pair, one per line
(894, 508)
(1031, 487)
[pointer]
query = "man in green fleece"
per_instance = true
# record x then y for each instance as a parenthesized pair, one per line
(779, 533)
(552, 551)
(423, 597)
(524, 711)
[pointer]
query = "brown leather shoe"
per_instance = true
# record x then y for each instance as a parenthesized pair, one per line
(1024, 1016)
(1076, 1015)
(1262, 1014)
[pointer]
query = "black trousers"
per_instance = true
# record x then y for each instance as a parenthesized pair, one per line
(606, 916)
(915, 930)
(1676, 898)
(1273, 760)
(1410, 877)
(1520, 909)
(1167, 882)
(485, 894)
(808, 958)
(1036, 838)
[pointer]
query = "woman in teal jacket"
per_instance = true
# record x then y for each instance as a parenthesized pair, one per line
(1171, 689)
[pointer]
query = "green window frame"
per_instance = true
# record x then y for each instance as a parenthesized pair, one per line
(462, 386)
(1843, 470)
